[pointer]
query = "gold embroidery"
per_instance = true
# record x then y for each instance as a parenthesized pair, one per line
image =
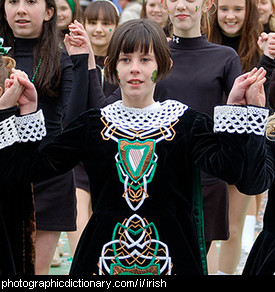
(138, 134)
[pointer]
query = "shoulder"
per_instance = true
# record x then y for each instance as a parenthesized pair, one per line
(201, 48)
(85, 118)
(223, 50)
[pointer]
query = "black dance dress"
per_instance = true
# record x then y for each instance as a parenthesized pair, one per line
(143, 166)
(202, 77)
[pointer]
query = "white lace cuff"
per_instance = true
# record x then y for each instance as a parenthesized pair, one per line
(256, 120)
(8, 132)
(22, 129)
(238, 119)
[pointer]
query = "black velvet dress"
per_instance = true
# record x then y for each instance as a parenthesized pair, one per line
(202, 77)
(143, 166)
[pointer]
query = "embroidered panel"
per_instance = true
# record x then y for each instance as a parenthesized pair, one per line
(135, 247)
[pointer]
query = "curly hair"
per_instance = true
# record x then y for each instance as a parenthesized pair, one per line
(270, 128)
(6, 65)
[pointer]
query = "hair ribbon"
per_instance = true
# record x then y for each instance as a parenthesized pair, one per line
(3, 50)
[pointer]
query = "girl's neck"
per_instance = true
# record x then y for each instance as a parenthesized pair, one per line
(187, 33)
(100, 51)
(232, 35)
(137, 102)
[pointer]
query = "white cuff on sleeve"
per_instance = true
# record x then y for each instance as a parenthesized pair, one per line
(8, 132)
(240, 119)
(22, 129)
(31, 127)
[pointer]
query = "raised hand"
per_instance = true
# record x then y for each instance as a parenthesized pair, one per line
(20, 90)
(78, 42)
(255, 93)
(248, 89)
(266, 42)
(237, 93)
(28, 99)
(13, 90)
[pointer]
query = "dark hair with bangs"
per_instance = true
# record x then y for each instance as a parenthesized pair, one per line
(101, 10)
(138, 34)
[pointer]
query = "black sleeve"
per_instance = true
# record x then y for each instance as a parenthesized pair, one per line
(97, 98)
(268, 64)
(66, 82)
(75, 95)
(17, 143)
(236, 154)
(63, 154)
(6, 113)
(30, 162)
(218, 154)
(258, 173)
(232, 70)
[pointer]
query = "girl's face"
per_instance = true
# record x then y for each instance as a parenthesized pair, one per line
(266, 9)
(136, 73)
(231, 16)
(186, 15)
(156, 11)
(100, 33)
(64, 14)
(26, 17)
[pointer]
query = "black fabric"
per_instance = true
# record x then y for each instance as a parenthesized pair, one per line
(55, 199)
(203, 74)
(81, 178)
(261, 260)
(170, 203)
(216, 223)
(17, 220)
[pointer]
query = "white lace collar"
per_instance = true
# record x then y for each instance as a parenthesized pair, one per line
(153, 117)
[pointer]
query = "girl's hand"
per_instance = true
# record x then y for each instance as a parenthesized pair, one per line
(248, 89)
(78, 42)
(255, 94)
(13, 90)
(241, 84)
(26, 97)
(266, 42)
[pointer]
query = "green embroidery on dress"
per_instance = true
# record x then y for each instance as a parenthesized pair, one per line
(119, 234)
(137, 159)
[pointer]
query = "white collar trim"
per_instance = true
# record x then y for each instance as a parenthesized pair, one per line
(155, 116)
